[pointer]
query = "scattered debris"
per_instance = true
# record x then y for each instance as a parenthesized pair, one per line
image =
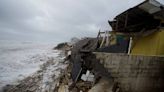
(88, 76)
(104, 85)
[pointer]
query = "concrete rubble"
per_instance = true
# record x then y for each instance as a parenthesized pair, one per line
(89, 67)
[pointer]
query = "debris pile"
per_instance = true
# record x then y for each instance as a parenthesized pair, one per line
(81, 71)
(84, 73)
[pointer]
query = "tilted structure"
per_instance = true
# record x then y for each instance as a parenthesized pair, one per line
(144, 24)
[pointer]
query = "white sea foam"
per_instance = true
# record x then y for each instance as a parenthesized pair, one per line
(19, 60)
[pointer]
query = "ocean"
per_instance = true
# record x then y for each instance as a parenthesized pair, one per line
(21, 59)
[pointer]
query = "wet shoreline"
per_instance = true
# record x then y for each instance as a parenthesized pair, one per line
(45, 79)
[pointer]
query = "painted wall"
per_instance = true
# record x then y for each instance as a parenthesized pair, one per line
(149, 45)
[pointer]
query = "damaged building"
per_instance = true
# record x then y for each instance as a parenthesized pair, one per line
(130, 58)
(143, 25)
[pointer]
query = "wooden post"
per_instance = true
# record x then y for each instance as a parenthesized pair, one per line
(98, 34)
(117, 24)
(130, 46)
(98, 37)
(126, 20)
(103, 40)
(107, 38)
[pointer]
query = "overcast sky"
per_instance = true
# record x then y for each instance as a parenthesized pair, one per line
(57, 20)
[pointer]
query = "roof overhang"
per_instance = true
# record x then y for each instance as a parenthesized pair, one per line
(145, 16)
(151, 6)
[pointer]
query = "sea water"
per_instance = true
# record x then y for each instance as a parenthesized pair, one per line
(21, 59)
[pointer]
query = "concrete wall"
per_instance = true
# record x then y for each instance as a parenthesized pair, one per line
(135, 73)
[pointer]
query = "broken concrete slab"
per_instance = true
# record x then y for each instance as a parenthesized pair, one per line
(104, 85)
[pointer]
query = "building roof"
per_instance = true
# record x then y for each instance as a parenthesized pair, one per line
(145, 16)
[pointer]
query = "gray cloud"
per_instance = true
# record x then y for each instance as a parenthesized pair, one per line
(57, 20)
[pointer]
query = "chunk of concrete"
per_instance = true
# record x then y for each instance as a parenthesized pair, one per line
(88, 76)
(104, 85)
